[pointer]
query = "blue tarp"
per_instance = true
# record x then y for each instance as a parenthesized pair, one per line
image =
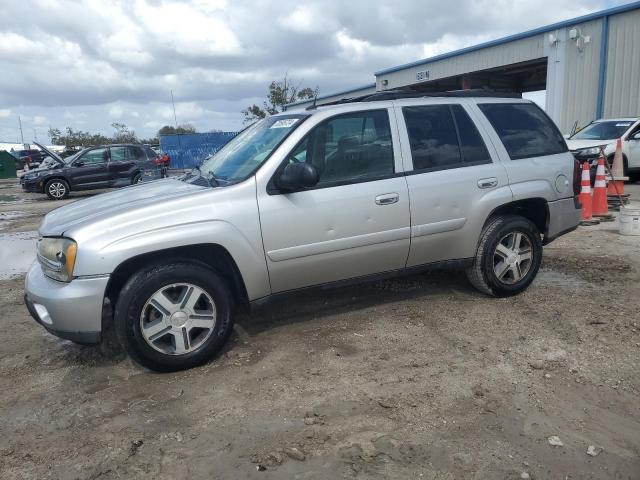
(189, 150)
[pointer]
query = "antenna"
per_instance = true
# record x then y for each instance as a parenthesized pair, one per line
(175, 119)
(21, 134)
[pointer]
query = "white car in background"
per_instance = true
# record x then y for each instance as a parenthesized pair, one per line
(585, 144)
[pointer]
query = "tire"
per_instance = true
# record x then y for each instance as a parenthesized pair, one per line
(56, 189)
(140, 324)
(136, 179)
(485, 273)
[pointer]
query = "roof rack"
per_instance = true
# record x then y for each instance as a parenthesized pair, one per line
(399, 94)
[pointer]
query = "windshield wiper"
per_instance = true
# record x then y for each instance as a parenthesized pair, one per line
(213, 180)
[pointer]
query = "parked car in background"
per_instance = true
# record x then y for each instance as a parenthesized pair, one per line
(380, 186)
(31, 157)
(586, 144)
(92, 168)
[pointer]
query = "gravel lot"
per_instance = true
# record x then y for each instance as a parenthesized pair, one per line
(420, 377)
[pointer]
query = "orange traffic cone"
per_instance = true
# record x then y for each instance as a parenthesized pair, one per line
(600, 206)
(616, 184)
(585, 192)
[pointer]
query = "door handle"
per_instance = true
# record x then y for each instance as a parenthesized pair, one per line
(387, 199)
(488, 182)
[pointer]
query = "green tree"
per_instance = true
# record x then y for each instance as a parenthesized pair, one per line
(280, 94)
(123, 134)
(169, 130)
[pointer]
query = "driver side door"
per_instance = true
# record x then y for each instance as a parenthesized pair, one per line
(355, 221)
(91, 170)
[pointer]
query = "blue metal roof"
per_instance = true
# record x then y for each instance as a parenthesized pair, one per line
(372, 85)
(530, 33)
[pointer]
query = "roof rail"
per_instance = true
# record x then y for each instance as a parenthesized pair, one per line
(399, 94)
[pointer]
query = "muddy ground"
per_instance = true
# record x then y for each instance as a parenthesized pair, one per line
(420, 377)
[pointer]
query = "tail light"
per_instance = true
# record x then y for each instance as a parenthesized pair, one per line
(577, 177)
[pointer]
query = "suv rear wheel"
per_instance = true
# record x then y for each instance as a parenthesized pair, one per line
(56, 189)
(508, 256)
(174, 316)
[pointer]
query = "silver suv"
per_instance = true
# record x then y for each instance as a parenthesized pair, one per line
(387, 184)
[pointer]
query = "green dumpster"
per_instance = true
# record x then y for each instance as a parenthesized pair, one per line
(7, 165)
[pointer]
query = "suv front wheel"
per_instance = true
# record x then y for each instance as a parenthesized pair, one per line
(56, 189)
(174, 316)
(508, 256)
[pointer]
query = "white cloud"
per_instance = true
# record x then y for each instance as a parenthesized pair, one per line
(86, 63)
(39, 120)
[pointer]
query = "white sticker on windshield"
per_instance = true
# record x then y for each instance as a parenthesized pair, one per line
(284, 123)
(625, 124)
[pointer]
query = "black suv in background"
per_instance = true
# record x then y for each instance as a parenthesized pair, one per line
(92, 168)
(32, 157)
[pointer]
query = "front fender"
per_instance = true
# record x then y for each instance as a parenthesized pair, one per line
(249, 259)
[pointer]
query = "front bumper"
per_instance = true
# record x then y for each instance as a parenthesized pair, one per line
(68, 310)
(35, 185)
(564, 217)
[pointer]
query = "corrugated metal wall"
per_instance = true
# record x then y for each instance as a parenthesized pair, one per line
(622, 93)
(580, 93)
(189, 150)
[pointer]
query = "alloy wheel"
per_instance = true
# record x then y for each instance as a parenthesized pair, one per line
(512, 258)
(178, 318)
(57, 189)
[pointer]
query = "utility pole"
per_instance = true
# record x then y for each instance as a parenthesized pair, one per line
(21, 134)
(35, 135)
(175, 119)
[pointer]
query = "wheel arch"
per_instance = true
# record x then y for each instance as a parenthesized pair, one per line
(212, 255)
(54, 177)
(535, 209)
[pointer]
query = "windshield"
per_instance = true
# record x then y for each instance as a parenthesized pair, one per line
(249, 149)
(70, 159)
(603, 130)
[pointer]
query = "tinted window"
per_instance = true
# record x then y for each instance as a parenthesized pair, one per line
(432, 137)
(118, 154)
(136, 154)
(349, 148)
(473, 148)
(150, 152)
(94, 157)
(525, 130)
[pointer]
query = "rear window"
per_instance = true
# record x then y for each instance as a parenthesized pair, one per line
(525, 130)
(443, 136)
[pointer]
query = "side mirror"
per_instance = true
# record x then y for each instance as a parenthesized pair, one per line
(297, 176)
(79, 163)
(636, 136)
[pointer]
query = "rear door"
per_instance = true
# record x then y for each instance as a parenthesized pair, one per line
(453, 176)
(90, 170)
(355, 221)
(123, 164)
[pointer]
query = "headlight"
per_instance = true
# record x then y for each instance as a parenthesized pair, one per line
(57, 256)
(588, 151)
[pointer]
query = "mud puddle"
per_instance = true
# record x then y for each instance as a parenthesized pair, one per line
(17, 253)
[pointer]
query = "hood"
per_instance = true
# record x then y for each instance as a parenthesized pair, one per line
(51, 153)
(580, 144)
(123, 201)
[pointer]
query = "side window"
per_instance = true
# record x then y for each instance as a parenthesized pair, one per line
(95, 156)
(525, 130)
(432, 137)
(136, 154)
(474, 151)
(118, 154)
(349, 148)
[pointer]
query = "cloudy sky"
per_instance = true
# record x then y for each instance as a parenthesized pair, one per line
(86, 64)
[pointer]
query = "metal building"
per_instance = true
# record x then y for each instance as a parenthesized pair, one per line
(589, 67)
